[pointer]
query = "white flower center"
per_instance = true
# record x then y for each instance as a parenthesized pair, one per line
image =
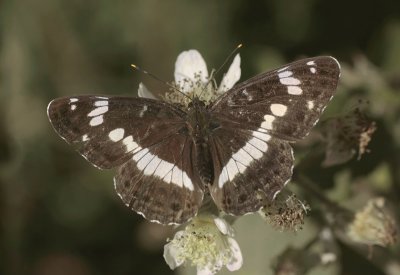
(203, 245)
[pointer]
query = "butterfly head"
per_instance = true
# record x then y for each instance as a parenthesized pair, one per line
(196, 104)
(197, 112)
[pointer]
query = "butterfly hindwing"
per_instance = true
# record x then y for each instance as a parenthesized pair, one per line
(250, 167)
(161, 190)
(147, 139)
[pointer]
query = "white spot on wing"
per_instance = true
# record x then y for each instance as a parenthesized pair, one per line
(260, 145)
(144, 161)
(98, 111)
(262, 136)
(313, 70)
(241, 167)
(116, 134)
(85, 138)
(310, 104)
(140, 154)
(163, 169)
(278, 109)
(187, 182)
(253, 151)
(262, 130)
(152, 166)
(96, 121)
(143, 111)
(290, 81)
(223, 177)
(73, 99)
(168, 177)
(177, 176)
(130, 144)
(282, 69)
(231, 169)
(243, 157)
(267, 123)
(101, 103)
(295, 90)
(73, 107)
(285, 74)
(310, 63)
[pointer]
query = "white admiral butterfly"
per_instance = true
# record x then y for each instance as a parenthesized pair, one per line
(169, 156)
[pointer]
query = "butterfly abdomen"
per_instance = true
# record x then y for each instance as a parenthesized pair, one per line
(200, 126)
(204, 162)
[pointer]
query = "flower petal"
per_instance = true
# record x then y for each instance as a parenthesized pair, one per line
(232, 76)
(210, 269)
(223, 226)
(237, 258)
(187, 65)
(144, 92)
(204, 271)
(171, 253)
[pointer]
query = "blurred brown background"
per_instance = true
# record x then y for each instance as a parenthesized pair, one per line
(59, 215)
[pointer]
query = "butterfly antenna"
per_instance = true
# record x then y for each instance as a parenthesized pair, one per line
(222, 65)
(158, 79)
(227, 59)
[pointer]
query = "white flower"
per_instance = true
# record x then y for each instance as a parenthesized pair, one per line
(207, 243)
(191, 77)
(190, 69)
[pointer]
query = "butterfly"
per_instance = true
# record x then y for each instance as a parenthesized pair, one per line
(170, 157)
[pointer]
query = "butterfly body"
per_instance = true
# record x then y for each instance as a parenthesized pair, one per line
(236, 148)
(201, 125)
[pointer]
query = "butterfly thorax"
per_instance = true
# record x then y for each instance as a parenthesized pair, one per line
(201, 125)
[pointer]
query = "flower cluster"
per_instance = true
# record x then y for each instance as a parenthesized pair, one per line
(207, 243)
(192, 78)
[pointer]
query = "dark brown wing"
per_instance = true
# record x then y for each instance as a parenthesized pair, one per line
(287, 102)
(258, 118)
(147, 139)
(160, 183)
(250, 167)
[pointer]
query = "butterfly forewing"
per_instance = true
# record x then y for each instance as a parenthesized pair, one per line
(259, 117)
(147, 139)
(106, 129)
(286, 102)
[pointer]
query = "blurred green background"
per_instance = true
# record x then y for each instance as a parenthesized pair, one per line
(59, 215)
